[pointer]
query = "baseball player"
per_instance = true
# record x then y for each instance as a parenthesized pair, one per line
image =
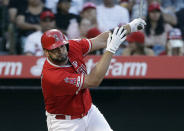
(65, 82)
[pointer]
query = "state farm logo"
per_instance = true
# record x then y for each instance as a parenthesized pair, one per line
(37, 69)
(10, 68)
(122, 68)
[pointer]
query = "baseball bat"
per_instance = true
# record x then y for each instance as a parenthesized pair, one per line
(140, 13)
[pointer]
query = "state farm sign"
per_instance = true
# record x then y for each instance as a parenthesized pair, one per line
(142, 67)
(122, 68)
(17, 66)
(10, 68)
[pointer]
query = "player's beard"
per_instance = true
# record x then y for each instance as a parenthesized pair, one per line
(59, 59)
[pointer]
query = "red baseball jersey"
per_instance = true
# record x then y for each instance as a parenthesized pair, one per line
(62, 85)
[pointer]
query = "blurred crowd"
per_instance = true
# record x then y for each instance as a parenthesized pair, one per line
(22, 23)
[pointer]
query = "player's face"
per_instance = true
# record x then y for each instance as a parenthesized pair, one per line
(59, 55)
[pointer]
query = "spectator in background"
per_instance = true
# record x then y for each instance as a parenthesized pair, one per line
(126, 4)
(3, 26)
(133, 6)
(28, 21)
(89, 12)
(174, 5)
(52, 5)
(84, 26)
(180, 19)
(76, 6)
(168, 14)
(110, 15)
(136, 45)
(175, 44)
(65, 21)
(33, 41)
(88, 25)
(15, 6)
(156, 29)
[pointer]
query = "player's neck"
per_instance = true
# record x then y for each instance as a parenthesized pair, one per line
(58, 63)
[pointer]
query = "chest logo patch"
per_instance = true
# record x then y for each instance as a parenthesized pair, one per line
(72, 81)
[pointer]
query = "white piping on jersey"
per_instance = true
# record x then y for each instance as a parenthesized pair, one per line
(57, 65)
(90, 45)
(81, 83)
(78, 81)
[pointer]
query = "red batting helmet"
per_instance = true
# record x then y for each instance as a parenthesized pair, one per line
(52, 39)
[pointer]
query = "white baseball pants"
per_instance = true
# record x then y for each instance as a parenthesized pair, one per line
(93, 121)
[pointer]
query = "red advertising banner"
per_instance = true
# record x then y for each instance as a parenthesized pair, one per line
(136, 67)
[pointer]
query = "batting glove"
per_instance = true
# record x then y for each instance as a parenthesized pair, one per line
(114, 40)
(137, 23)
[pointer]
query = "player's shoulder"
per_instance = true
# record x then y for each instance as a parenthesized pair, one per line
(74, 45)
(77, 41)
(78, 46)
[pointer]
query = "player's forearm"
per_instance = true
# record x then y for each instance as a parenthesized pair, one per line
(102, 38)
(100, 41)
(98, 72)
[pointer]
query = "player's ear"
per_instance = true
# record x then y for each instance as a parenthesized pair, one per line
(46, 53)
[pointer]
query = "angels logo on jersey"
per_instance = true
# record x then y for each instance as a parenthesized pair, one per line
(70, 80)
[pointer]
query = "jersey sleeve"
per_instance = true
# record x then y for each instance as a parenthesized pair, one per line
(64, 83)
(86, 46)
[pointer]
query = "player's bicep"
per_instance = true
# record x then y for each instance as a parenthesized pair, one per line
(85, 46)
(90, 82)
